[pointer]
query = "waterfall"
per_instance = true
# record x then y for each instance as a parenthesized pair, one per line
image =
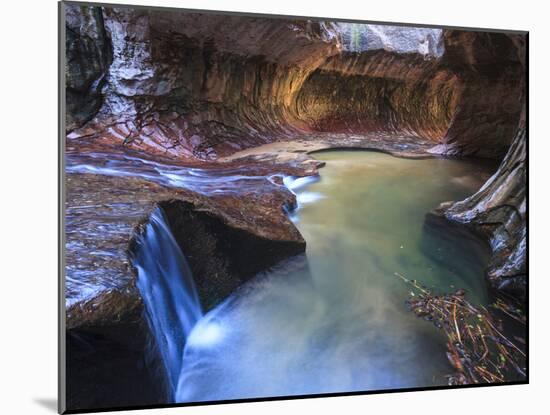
(293, 184)
(168, 291)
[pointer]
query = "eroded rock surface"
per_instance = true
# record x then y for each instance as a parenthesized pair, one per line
(203, 86)
(203, 115)
(88, 56)
(104, 209)
(492, 72)
(195, 87)
(227, 237)
(362, 37)
(499, 210)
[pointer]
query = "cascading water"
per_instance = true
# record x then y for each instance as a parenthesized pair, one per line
(294, 184)
(168, 291)
(334, 321)
(337, 323)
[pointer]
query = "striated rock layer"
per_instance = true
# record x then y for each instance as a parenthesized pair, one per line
(195, 85)
(499, 208)
(252, 96)
(227, 239)
(88, 56)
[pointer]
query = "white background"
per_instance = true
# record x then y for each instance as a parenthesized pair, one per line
(28, 229)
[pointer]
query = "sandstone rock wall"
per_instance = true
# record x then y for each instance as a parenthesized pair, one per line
(490, 69)
(499, 208)
(381, 91)
(88, 56)
(359, 37)
(196, 86)
(201, 85)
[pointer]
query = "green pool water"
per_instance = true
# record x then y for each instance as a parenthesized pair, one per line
(335, 320)
(369, 222)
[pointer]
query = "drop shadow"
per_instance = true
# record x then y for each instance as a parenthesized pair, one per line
(48, 403)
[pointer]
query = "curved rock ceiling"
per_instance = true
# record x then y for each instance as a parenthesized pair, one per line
(192, 88)
(197, 85)
(201, 86)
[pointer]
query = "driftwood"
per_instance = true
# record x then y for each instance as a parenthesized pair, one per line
(477, 349)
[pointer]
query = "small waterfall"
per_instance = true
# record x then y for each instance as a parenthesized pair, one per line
(168, 291)
(293, 184)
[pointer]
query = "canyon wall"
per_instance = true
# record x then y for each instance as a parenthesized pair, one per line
(88, 56)
(499, 208)
(201, 86)
(197, 86)
(492, 80)
(380, 91)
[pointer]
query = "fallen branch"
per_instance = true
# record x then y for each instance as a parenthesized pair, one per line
(476, 346)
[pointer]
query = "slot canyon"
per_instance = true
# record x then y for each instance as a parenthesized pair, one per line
(203, 129)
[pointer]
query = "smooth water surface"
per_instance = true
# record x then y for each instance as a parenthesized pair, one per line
(335, 320)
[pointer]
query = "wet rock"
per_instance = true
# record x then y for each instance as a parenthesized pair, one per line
(258, 95)
(423, 41)
(202, 86)
(227, 239)
(224, 251)
(88, 56)
(107, 308)
(498, 210)
(103, 212)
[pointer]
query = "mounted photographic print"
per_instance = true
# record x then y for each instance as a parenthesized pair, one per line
(272, 207)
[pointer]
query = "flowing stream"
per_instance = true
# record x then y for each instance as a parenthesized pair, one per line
(168, 291)
(333, 320)
(209, 182)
